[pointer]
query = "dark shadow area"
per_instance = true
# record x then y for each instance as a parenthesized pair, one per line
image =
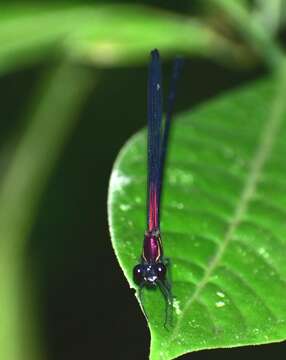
(247, 352)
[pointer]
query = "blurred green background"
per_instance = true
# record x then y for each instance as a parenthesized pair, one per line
(79, 304)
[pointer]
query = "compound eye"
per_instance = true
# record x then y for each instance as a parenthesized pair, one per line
(138, 274)
(161, 270)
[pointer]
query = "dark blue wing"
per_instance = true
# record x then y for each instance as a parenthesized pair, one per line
(154, 140)
(177, 67)
(157, 143)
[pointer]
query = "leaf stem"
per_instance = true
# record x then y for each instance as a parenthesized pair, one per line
(269, 14)
(50, 122)
(253, 31)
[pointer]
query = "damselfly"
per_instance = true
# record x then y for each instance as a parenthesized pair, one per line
(152, 270)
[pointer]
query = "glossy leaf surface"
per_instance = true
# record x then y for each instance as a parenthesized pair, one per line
(223, 222)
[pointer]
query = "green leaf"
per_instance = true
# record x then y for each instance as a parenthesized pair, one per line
(104, 35)
(223, 222)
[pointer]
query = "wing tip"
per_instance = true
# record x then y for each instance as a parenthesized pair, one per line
(155, 54)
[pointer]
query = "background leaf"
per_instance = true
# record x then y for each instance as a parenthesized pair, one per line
(223, 222)
(87, 34)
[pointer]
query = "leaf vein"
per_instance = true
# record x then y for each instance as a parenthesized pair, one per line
(262, 153)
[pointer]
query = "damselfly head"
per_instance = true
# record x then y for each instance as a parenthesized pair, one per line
(149, 274)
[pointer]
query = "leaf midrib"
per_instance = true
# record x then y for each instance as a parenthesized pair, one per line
(260, 157)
